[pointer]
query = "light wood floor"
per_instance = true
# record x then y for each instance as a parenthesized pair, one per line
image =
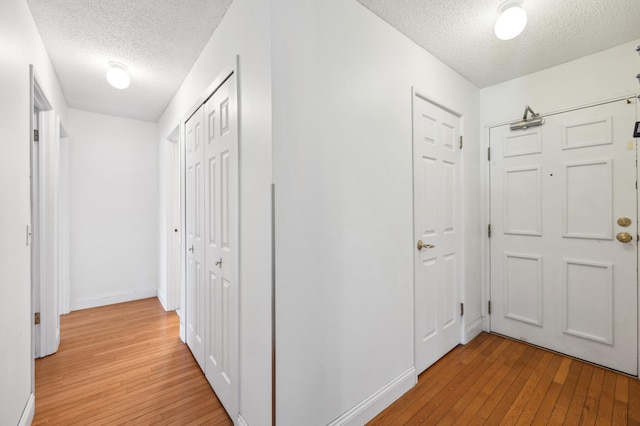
(123, 364)
(494, 381)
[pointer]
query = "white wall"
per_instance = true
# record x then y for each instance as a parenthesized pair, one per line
(244, 31)
(20, 45)
(113, 209)
(594, 78)
(344, 202)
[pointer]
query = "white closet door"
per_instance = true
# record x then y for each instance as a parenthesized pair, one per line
(195, 309)
(221, 213)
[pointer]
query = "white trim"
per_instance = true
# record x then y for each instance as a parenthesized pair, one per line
(65, 283)
(474, 329)
(379, 400)
(241, 421)
(172, 296)
(485, 218)
(29, 411)
(110, 299)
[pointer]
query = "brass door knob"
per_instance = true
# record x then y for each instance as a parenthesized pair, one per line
(422, 245)
(624, 237)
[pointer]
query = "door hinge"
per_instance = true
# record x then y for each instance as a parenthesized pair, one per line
(489, 230)
(489, 154)
(36, 135)
(36, 318)
(460, 142)
(489, 308)
(461, 309)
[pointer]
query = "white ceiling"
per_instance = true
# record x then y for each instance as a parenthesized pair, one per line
(460, 33)
(158, 40)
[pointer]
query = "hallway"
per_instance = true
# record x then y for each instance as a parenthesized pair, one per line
(120, 364)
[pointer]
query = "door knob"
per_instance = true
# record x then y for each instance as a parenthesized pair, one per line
(422, 245)
(624, 237)
(219, 263)
(191, 249)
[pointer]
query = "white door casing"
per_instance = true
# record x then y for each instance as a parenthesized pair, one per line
(195, 227)
(212, 230)
(559, 277)
(221, 228)
(437, 224)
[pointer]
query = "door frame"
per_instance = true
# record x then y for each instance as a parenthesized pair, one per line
(174, 228)
(485, 199)
(49, 260)
(462, 332)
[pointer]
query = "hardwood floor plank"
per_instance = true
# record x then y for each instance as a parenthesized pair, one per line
(123, 364)
(564, 399)
(621, 400)
(590, 407)
(580, 394)
(605, 406)
(634, 402)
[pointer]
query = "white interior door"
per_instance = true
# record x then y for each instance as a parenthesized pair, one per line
(221, 213)
(195, 291)
(560, 278)
(437, 228)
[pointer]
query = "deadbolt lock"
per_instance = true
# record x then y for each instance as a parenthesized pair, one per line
(624, 221)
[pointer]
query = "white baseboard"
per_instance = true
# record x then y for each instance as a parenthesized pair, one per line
(473, 330)
(111, 299)
(29, 411)
(378, 401)
(241, 421)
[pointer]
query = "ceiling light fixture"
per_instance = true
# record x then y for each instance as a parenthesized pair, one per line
(511, 21)
(117, 76)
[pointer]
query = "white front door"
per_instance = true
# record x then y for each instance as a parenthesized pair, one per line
(563, 195)
(437, 230)
(221, 212)
(195, 291)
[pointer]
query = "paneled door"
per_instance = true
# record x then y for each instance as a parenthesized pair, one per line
(212, 241)
(221, 227)
(195, 291)
(437, 231)
(564, 234)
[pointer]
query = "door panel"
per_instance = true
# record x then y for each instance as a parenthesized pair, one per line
(437, 189)
(559, 276)
(195, 229)
(221, 153)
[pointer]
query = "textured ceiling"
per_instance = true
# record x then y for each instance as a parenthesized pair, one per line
(460, 33)
(158, 40)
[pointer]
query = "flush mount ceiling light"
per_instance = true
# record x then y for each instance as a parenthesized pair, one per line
(511, 21)
(117, 75)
